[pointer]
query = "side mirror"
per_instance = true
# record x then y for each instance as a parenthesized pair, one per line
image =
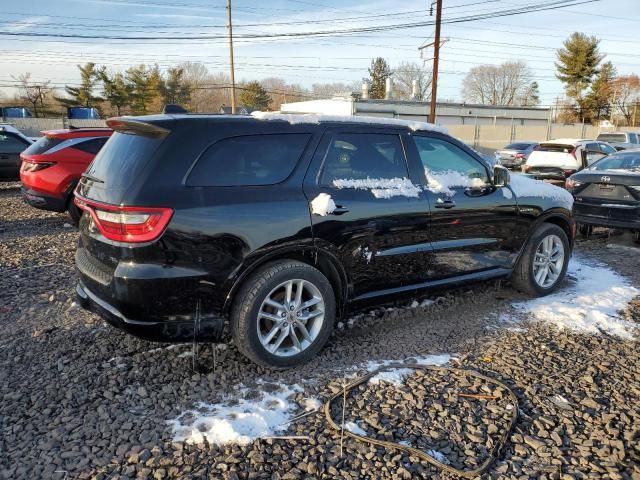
(501, 176)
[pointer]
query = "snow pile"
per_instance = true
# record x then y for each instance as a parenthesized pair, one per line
(382, 187)
(323, 205)
(394, 377)
(315, 118)
(528, 187)
(240, 423)
(443, 182)
(439, 456)
(311, 404)
(591, 304)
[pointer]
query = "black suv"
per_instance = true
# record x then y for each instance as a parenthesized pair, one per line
(281, 224)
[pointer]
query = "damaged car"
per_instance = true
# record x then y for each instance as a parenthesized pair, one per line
(276, 226)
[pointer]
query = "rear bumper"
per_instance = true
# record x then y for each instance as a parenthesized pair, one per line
(206, 327)
(43, 201)
(607, 222)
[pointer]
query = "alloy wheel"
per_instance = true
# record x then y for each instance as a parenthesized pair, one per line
(290, 317)
(548, 261)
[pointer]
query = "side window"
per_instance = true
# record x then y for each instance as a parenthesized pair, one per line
(361, 156)
(607, 148)
(593, 147)
(11, 144)
(92, 146)
(248, 160)
(446, 165)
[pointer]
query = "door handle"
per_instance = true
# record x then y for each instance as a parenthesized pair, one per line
(339, 210)
(446, 204)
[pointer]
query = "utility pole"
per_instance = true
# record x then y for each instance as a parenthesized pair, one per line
(233, 79)
(436, 59)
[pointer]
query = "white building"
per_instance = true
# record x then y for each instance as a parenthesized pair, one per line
(446, 113)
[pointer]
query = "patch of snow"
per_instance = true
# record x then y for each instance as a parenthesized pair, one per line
(314, 118)
(424, 303)
(439, 456)
(323, 205)
(397, 375)
(67, 225)
(353, 427)
(590, 305)
(443, 182)
(366, 253)
(381, 187)
(240, 423)
(311, 404)
(405, 443)
(524, 186)
(188, 353)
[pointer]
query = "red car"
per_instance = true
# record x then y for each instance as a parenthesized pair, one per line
(52, 166)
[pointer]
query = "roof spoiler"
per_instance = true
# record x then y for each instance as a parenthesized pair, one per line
(136, 127)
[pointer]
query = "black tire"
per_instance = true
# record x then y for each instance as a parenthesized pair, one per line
(249, 299)
(584, 229)
(523, 278)
(74, 212)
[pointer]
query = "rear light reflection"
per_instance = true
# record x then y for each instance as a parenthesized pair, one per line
(127, 224)
(35, 166)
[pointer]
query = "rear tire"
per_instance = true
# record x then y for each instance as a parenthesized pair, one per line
(73, 211)
(268, 309)
(529, 274)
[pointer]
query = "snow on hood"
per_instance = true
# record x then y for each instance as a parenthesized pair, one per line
(590, 305)
(524, 186)
(382, 187)
(317, 118)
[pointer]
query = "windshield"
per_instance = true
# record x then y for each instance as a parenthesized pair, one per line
(612, 137)
(619, 161)
(16, 112)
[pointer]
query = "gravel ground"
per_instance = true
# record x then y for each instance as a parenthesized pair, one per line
(82, 400)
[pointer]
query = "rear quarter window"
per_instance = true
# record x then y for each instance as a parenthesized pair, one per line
(248, 160)
(42, 145)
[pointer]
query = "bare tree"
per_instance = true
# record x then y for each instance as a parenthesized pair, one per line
(626, 96)
(328, 90)
(505, 84)
(405, 74)
(33, 93)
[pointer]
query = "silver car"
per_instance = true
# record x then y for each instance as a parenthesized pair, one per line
(515, 154)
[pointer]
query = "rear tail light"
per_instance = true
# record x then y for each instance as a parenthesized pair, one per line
(568, 173)
(570, 184)
(519, 156)
(526, 168)
(127, 224)
(35, 166)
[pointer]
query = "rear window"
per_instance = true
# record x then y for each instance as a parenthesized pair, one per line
(619, 161)
(123, 158)
(612, 137)
(248, 160)
(556, 147)
(518, 146)
(92, 146)
(42, 145)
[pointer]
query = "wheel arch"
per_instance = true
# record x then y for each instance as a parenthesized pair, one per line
(318, 258)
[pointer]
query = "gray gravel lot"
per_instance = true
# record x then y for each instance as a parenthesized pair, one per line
(82, 400)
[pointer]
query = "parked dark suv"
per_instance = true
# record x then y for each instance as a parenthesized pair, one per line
(281, 224)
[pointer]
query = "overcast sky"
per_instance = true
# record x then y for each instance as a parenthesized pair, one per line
(532, 37)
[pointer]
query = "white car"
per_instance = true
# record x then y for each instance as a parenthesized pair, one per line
(555, 160)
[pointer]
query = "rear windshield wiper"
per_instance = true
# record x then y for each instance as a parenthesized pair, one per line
(92, 178)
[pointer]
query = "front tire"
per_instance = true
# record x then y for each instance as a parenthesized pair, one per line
(283, 314)
(544, 261)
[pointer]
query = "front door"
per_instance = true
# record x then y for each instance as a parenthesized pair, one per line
(366, 210)
(474, 225)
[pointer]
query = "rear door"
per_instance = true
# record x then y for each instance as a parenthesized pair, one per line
(366, 210)
(474, 226)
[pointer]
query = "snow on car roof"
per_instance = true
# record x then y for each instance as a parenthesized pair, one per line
(317, 118)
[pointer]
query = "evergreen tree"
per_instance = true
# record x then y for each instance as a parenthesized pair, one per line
(531, 96)
(83, 95)
(174, 88)
(598, 100)
(144, 83)
(116, 90)
(577, 64)
(378, 73)
(253, 95)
